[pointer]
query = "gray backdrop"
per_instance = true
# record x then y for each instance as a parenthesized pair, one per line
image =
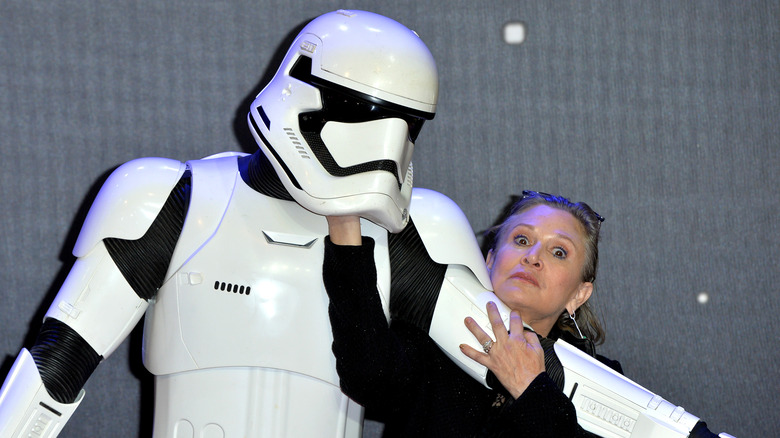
(663, 115)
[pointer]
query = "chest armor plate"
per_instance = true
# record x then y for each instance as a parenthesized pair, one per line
(250, 293)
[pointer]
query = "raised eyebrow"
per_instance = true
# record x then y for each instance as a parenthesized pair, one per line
(514, 229)
(559, 234)
(566, 237)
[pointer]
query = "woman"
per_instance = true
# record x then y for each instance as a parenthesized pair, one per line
(542, 265)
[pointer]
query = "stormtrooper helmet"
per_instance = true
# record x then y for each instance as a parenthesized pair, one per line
(339, 119)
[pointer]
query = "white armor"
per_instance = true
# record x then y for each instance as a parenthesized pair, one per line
(237, 337)
(236, 331)
(26, 408)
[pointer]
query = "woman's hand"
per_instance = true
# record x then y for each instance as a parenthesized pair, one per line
(345, 230)
(515, 357)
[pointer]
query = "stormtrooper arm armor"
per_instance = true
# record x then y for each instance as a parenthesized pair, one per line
(607, 403)
(611, 405)
(461, 286)
(94, 310)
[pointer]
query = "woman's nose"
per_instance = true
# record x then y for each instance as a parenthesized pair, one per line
(531, 257)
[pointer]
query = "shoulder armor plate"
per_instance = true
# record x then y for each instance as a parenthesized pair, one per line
(447, 233)
(128, 202)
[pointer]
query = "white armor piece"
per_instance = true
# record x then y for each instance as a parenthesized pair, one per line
(237, 337)
(95, 299)
(26, 408)
(387, 66)
(607, 403)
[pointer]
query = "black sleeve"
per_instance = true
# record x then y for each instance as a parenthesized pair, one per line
(375, 367)
(542, 410)
(701, 431)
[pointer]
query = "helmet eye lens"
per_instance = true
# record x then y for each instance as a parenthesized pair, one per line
(339, 107)
(340, 104)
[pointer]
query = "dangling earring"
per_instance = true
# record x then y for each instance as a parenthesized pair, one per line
(575, 324)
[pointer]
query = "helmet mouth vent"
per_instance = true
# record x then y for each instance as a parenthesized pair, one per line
(297, 143)
(277, 158)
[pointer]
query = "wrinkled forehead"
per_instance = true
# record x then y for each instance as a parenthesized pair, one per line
(546, 219)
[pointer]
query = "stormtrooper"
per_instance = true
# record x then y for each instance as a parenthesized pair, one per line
(222, 257)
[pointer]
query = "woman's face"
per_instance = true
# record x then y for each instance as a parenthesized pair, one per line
(536, 268)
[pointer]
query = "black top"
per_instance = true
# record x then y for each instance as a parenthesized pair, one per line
(401, 376)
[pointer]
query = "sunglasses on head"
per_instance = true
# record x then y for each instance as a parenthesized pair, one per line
(552, 198)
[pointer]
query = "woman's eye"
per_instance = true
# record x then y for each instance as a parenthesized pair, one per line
(559, 253)
(521, 240)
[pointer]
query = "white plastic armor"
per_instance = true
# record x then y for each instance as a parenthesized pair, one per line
(26, 408)
(243, 317)
(238, 336)
(236, 332)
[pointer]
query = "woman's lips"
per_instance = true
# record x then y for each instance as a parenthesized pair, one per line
(522, 276)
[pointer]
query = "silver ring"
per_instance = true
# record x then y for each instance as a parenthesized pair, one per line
(487, 345)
